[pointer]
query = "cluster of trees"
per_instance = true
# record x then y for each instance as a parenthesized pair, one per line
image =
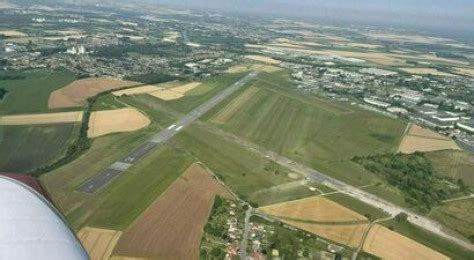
(3, 92)
(152, 78)
(216, 225)
(162, 49)
(12, 77)
(414, 175)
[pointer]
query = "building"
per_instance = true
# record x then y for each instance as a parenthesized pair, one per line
(375, 102)
(397, 110)
(76, 50)
(446, 117)
(467, 126)
(425, 110)
(436, 123)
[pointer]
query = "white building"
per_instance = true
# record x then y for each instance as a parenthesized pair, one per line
(446, 117)
(397, 110)
(467, 126)
(376, 102)
(76, 50)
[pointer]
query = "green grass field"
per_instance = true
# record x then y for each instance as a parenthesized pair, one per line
(310, 129)
(429, 239)
(30, 95)
(273, 196)
(118, 204)
(357, 206)
(25, 148)
(322, 134)
(243, 171)
(454, 164)
(458, 215)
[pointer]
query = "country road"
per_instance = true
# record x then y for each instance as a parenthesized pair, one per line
(347, 189)
(114, 170)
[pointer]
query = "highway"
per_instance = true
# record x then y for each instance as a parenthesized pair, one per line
(114, 170)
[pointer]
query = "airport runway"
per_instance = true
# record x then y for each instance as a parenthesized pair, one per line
(113, 171)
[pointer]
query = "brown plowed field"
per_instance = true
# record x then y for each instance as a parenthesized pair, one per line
(116, 121)
(171, 228)
(388, 244)
(425, 140)
(342, 224)
(76, 93)
(39, 119)
(99, 243)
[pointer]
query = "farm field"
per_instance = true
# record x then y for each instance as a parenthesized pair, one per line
(380, 58)
(263, 59)
(307, 129)
(465, 71)
(76, 93)
(40, 119)
(98, 243)
(428, 239)
(458, 215)
(116, 121)
(25, 148)
(12, 33)
(426, 71)
(387, 244)
(137, 90)
(174, 93)
(81, 209)
(425, 140)
(358, 206)
(173, 225)
(322, 217)
(31, 94)
(285, 192)
(454, 164)
(205, 91)
(248, 67)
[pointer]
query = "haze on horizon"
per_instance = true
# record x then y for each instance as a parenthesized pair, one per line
(454, 17)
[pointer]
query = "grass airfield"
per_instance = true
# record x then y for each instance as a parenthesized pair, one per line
(307, 129)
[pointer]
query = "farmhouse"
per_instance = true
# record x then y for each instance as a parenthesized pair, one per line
(467, 126)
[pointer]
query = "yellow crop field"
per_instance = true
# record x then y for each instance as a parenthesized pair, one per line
(388, 244)
(116, 121)
(40, 119)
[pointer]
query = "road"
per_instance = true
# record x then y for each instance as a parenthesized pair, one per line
(347, 189)
(113, 171)
(245, 235)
